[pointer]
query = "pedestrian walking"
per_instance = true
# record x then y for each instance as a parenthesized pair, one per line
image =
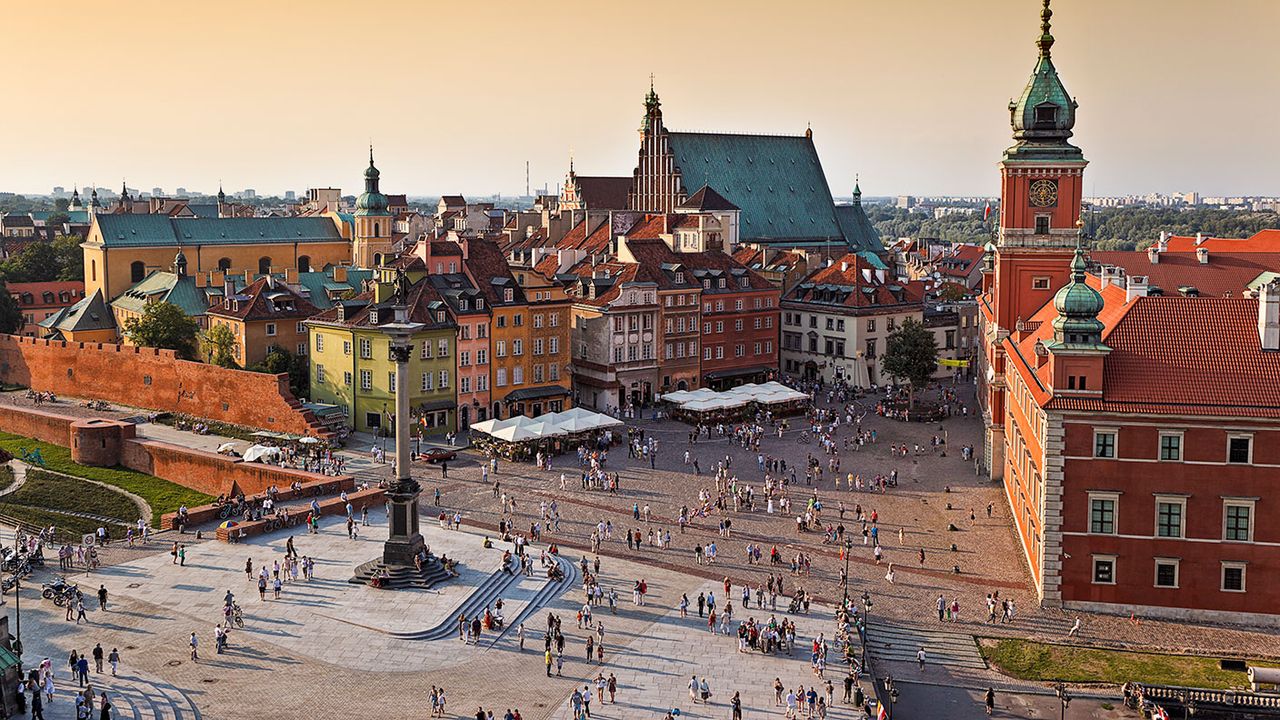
(920, 658)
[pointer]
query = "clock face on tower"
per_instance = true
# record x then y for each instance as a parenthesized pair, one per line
(1044, 193)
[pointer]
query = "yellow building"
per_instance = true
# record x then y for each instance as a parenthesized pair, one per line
(371, 240)
(89, 320)
(263, 315)
(121, 250)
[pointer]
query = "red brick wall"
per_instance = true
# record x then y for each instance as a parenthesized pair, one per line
(207, 472)
(36, 424)
(154, 379)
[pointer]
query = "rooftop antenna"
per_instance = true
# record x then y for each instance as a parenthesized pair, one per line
(526, 178)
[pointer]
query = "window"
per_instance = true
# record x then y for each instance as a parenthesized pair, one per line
(706, 353)
(500, 348)
(302, 348)
(426, 350)
(518, 320)
(508, 295)
(137, 271)
(871, 324)
(1102, 514)
(1237, 522)
(366, 348)
(1170, 514)
(553, 346)
(517, 375)
(719, 352)
(1233, 577)
(537, 346)
(444, 379)
(1046, 114)
(464, 384)
(320, 343)
(366, 379)
(1171, 446)
(1240, 449)
(428, 381)
(768, 322)
(391, 381)
(482, 383)
(264, 265)
(739, 350)
(537, 320)
(500, 378)
(871, 348)
(719, 326)
(706, 328)
(768, 347)
(537, 373)
(442, 348)
(553, 372)
(719, 306)
(755, 349)
(1167, 572)
(320, 374)
(1042, 224)
(737, 326)
(271, 329)
(346, 379)
(464, 358)
(554, 319)
(502, 321)
(300, 328)
(1104, 443)
(1040, 283)
(1104, 569)
(517, 347)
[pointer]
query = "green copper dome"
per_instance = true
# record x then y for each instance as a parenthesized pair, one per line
(1043, 116)
(1078, 306)
(371, 201)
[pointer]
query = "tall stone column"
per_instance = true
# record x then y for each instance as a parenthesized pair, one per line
(404, 538)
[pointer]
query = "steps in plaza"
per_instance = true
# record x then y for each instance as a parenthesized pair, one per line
(131, 700)
(899, 643)
(543, 597)
(493, 587)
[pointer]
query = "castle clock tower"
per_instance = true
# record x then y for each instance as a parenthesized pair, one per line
(1041, 183)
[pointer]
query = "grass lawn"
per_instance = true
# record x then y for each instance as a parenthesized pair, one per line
(162, 495)
(69, 527)
(1027, 660)
(55, 492)
(6, 477)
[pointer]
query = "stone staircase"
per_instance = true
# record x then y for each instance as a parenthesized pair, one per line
(899, 643)
(403, 576)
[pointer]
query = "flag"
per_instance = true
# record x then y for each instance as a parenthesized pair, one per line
(881, 713)
(986, 212)
(1159, 714)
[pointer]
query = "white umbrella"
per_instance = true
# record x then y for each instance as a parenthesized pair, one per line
(576, 425)
(485, 426)
(604, 421)
(308, 440)
(545, 429)
(257, 453)
(226, 447)
(514, 433)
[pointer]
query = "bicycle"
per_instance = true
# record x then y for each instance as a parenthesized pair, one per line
(237, 616)
(803, 438)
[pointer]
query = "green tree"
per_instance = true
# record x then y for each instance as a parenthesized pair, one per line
(911, 354)
(218, 343)
(69, 256)
(280, 360)
(164, 325)
(56, 219)
(37, 262)
(11, 320)
(61, 205)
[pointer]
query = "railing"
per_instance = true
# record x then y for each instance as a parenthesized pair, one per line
(1205, 699)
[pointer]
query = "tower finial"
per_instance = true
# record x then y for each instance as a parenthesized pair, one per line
(370, 153)
(1046, 37)
(650, 82)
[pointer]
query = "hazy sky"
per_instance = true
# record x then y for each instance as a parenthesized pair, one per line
(456, 96)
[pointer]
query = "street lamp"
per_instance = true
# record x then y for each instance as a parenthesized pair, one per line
(1064, 697)
(848, 549)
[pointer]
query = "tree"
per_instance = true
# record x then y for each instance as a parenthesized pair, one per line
(218, 343)
(164, 325)
(36, 263)
(911, 353)
(57, 219)
(11, 320)
(69, 256)
(279, 360)
(61, 205)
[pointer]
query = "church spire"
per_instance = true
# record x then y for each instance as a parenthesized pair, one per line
(857, 191)
(652, 109)
(1046, 38)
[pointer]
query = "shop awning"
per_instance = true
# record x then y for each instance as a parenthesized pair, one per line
(534, 393)
(446, 404)
(738, 372)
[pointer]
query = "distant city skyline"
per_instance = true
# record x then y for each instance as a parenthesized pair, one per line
(910, 97)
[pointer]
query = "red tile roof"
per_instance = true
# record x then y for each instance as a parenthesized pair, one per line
(74, 289)
(849, 286)
(1226, 272)
(1267, 241)
(604, 193)
(264, 299)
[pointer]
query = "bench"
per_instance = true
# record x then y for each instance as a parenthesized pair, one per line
(209, 513)
(329, 507)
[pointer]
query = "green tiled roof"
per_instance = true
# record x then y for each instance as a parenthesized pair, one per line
(858, 231)
(777, 181)
(169, 287)
(76, 217)
(320, 283)
(153, 230)
(90, 313)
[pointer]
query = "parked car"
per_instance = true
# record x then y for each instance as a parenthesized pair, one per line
(437, 454)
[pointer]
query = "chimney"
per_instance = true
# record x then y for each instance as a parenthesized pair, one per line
(340, 273)
(1163, 245)
(291, 276)
(228, 288)
(1269, 315)
(844, 266)
(1199, 238)
(1135, 287)
(1202, 254)
(217, 277)
(866, 274)
(1153, 254)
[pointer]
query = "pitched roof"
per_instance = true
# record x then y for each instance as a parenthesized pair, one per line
(707, 199)
(160, 230)
(91, 313)
(859, 233)
(1226, 272)
(488, 266)
(168, 287)
(423, 303)
(853, 282)
(1262, 241)
(777, 181)
(604, 193)
(74, 288)
(264, 299)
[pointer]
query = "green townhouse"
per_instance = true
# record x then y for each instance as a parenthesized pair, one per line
(351, 363)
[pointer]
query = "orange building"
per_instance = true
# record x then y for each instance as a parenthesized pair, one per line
(263, 315)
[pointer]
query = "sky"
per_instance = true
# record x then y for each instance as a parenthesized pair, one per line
(909, 96)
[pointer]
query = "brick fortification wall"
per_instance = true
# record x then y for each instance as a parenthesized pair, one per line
(154, 379)
(110, 442)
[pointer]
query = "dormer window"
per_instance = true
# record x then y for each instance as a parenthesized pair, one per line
(373, 317)
(680, 278)
(439, 316)
(463, 305)
(508, 295)
(479, 303)
(706, 284)
(1046, 115)
(721, 284)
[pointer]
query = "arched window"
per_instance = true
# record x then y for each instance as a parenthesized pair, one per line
(93, 270)
(224, 264)
(137, 271)
(375, 229)
(264, 265)
(377, 259)
(304, 263)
